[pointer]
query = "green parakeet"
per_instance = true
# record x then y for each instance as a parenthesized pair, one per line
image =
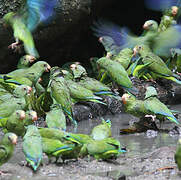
(55, 118)
(25, 21)
(157, 65)
(156, 107)
(133, 106)
(32, 73)
(117, 73)
(105, 149)
(80, 93)
(25, 61)
(17, 102)
(60, 93)
(78, 70)
(124, 57)
(32, 147)
(177, 156)
(95, 86)
(7, 144)
(102, 131)
(15, 123)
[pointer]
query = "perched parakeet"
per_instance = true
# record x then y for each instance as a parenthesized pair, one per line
(102, 131)
(78, 70)
(52, 133)
(177, 156)
(133, 106)
(15, 123)
(157, 65)
(32, 147)
(80, 93)
(19, 92)
(95, 86)
(25, 21)
(105, 149)
(55, 118)
(54, 148)
(154, 106)
(25, 61)
(17, 102)
(117, 73)
(60, 93)
(124, 57)
(7, 144)
(33, 73)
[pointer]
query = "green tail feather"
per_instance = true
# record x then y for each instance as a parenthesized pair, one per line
(173, 79)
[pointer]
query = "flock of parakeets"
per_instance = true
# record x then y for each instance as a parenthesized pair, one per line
(28, 93)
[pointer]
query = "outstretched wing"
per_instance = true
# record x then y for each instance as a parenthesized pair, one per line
(37, 11)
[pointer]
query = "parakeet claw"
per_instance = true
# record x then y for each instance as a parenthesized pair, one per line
(152, 116)
(15, 46)
(151, 80)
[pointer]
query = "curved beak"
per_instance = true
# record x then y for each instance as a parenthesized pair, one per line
(34, 116)
(145, 26)
(31, 59)
(48, 68)
(22, 115)
(100, 39)
(15, 140)
(135, 52)
(29, 90)
(174, 10)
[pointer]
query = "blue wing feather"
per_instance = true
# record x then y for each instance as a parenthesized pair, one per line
(39, 11)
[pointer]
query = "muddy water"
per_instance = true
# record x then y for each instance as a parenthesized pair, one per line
(146, 154)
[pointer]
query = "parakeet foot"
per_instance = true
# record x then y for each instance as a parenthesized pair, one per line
(13, 45)
(151, 80)
(152, 116)
(16, 47)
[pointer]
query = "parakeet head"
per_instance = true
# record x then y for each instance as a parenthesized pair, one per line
(32, 115)
(71, 138)
(7, 18)
(150, 92)
(22, 90)
(42, 65)
(139, 49)
(150, 25)
(27, 59)
(126, 98)
(10, 138)
(20, 114)
(174, 10)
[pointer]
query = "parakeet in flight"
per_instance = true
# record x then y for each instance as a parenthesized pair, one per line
(26, 20)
